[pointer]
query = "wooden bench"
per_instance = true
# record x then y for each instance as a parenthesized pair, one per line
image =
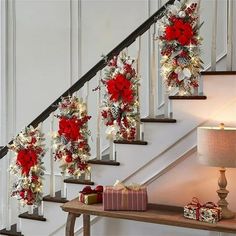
(157, 214)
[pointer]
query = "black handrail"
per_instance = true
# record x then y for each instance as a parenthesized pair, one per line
(93, 71)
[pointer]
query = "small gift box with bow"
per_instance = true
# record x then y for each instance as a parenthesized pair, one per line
(90, 196)
(128, 198)
(208, 212)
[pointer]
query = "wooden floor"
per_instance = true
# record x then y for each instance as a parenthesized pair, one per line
(158, 214)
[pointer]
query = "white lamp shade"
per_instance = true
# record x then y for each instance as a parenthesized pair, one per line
(217, 147)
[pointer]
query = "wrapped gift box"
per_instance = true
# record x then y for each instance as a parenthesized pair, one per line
(125, 198)
(89, 199)
(191, 211)
(208, 212)
(91, 196)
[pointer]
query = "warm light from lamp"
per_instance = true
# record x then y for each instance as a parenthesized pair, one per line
(217, 146)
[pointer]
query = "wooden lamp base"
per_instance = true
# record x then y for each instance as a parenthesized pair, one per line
(222, 193)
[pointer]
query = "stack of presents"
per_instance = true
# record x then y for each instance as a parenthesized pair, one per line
(121, 197)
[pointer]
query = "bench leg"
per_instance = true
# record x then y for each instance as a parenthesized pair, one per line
(70, 224)
(86, 224)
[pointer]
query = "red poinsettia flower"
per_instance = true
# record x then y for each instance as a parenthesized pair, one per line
(180, 31)
(120, 88)
(69, 128)
(26, 159)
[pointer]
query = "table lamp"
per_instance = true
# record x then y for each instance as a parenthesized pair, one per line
(217, 148)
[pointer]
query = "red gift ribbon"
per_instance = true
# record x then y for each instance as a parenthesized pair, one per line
(88, 190)
(195, 202)
(212, 205)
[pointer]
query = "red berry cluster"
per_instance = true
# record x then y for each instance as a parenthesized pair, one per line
(189, 10)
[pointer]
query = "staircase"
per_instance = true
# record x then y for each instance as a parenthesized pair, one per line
(153, 154)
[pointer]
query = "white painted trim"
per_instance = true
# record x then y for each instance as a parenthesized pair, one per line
(3, 80)
(75, 40)
(79, 38)
(170, 166)
(3, 107)
(71, 39)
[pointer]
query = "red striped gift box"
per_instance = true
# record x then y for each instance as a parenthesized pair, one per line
(125, 199)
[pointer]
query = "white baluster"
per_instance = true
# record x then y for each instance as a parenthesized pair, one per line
(87, 93)
(200, 85)
(30, 209)
(229, 34)
(170, 109)
(63, 185)
(213, 57)
(138, 60)
(52, 175)
(160, 92)
(213, 40)
(9, 199)
(98, 139)
(166, 104)
(87, 176)
(112, 151)
(18, 225)
(141, 131)
(153, 77)
(40, 209)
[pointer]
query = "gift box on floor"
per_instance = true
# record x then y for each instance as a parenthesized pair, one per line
(90, 196)
(121, 197)
(208, 212)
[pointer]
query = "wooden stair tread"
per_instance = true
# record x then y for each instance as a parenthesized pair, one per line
(135, 142)
(158, 119)
(157, 214)
(11, 232)
(57, 198)
(191, 97)
(34, 216)
(104, 162)
(71, 180)
(218, 73)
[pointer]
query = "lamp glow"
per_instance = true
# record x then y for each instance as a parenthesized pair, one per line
(217, 148)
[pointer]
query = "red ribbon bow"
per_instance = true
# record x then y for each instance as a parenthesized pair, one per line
(210, 205)
(195, 202)
(89, 190)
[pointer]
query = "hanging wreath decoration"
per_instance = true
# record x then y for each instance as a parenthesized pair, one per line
(120, 104)
(180, 46)
(27, 166)
(71, 146)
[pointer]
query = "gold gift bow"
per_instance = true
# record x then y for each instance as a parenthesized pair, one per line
(121, 186)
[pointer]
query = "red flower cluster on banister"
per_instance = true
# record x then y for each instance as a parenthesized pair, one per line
(71, 140)
(26, 159)
(27, 165)
(180, 31)
(120, 105)
(180, 47)
(120, 88)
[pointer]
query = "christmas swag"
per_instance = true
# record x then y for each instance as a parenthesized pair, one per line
(180, 46)
(71, 146)
(120, 104)
(27, 165)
